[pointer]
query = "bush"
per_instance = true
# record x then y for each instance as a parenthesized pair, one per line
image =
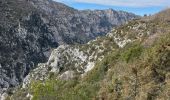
(132, 53)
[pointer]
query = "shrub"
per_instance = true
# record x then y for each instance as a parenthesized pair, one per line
(132, 53)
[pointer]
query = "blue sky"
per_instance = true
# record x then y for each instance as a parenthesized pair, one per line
(135, 6)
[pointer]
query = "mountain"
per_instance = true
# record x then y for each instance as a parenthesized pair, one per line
(30, 29)
(130, 63)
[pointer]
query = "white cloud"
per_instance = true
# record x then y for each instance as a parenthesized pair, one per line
(125, 3)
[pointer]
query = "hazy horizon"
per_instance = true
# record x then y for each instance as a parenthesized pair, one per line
(137, 7)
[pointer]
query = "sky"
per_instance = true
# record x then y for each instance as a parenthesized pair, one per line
(139, 7)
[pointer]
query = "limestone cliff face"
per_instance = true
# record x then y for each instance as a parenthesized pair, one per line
(29, 29)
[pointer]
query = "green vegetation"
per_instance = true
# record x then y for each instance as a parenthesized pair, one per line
(63, 90)
(132, 53)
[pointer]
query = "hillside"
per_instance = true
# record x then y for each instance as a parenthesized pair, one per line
(130, 63)
(30, 29)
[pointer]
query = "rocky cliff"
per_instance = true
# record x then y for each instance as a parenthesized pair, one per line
(29, 29)
(130, 63)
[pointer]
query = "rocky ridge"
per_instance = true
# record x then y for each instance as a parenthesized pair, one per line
(130, 62)
(82, 58)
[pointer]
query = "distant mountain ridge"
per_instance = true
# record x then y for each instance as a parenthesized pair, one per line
(29, 29)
